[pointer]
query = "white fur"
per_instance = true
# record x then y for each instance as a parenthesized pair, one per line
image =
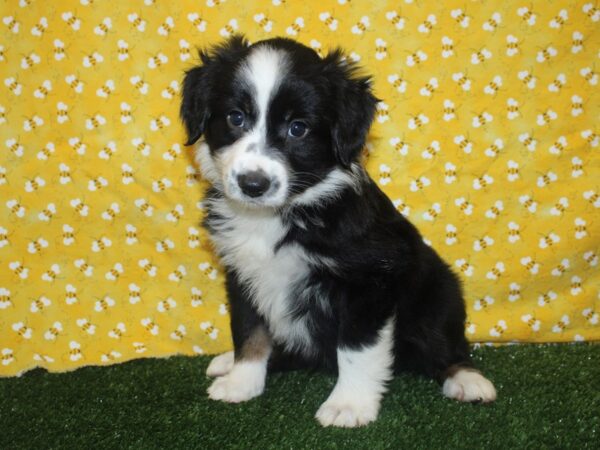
(246, 380)
(220, 365)
(246, 241)
(469, 386)
(331, 186)
(362, 378)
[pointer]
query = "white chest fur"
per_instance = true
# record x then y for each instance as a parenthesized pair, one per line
(247, 240)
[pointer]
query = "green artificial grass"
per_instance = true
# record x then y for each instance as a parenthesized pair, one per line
(548, 397)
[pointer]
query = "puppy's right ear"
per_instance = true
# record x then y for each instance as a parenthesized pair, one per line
(195, 100)
(200, 82)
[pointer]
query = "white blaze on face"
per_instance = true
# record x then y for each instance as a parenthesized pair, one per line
(262, 72)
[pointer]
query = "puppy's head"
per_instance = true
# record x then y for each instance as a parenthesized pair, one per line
(280, 124)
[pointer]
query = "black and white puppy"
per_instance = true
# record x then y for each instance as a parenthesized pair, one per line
(322, 271)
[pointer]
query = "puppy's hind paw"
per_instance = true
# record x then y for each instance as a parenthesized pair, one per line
(468, 385)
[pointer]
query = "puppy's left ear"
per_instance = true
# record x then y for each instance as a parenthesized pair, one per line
(354, 107)
(194, 104)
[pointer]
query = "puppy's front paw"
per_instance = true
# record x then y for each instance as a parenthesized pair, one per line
(243, 382)
(469, 386)
(220, 365)
(347, 412)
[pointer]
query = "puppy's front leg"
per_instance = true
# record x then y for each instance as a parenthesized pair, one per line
(362, 376)
(245, 378)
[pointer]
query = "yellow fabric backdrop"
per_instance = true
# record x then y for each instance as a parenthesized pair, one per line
(487, 137)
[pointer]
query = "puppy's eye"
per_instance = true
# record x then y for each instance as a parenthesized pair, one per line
(235, 118)
(298, 129)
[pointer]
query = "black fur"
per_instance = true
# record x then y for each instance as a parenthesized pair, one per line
(381, 264)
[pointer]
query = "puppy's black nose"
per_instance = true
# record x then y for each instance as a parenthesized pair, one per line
(254, 184)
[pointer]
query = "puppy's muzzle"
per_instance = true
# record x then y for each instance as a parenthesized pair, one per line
(254, 183)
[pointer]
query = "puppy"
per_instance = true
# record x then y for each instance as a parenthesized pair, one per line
(321, 270)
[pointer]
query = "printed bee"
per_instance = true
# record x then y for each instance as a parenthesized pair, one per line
(496, 271)
(432, 150)
(324, 17)
(32, 123)
(71, 295)
(51, 274)
(193, 237)
(229, 29)
(549, 240)
(139, 347)
(101, 244)
(361, 26)
(16, 208)
(495, 210)
(107, 89)
(172, 153)
(114, 273)
(86, 326)
(449, 173)
(208, 270)
(527, 15)
(416, 58)
(529, 80)
(532, 322)
(62, 113)
(108, 150)
(576, 167)
(44, 89)
(175, 214)
(166, 305)
(577, 42)
(150, 326)
(591, 258)
(546, 179)
(68, 236)
(148, 267)
(164, 245)
(2, 115)
(580, 228)
(462, 81)
(464, 205)
(493, 86)
(122, 50)
(161, 185)
(480, 56)
(135, 293)
(3, 243)
(592, 197)
(428, 24)
(495, 149)
(12, 24)
(419, 184)
(592, 138)
(380, 49)
(559, 146)
(451, 234)
(528, 203)
(399, 145)
(209, 329)
(397, 82)
(482, 119)
(118, 331)
(96, 184)
(562, 324)
(483, 243)
(46, 152)
(196, 297)
(558, 83)
(37, 246)
(512, 45)
(267, 25)
(64, 173)
(137, 22)
(92, 60)
(130, 234)
(144, 207)
(462, 19)
(529, 142)
(447, 47)
(493, 22)
(591, 316)
(384, 174)
(159, 123)
(59, 50)
(590, 76)
(483, 303)
(223, 309)
(213, 3)
(532, 266)
(576, 285)
(71, 20)
(75, 83)
(449, 110)
(498, 329)
(139, 84)
(429, 88)
(178, 274)
(382, 112)
(417, 121)
(126, 174)
(40, 304)
(104, 27)
(592, 12)
(482, 182)
(514, 292)
(53, 331)
(75, 351)
(13, 85)
(464, 143)
(546, 117)
(94, 122)
(560, 207)
(546, 54)
(84, 267)
(197, 21)
(576, 105)
(432, 213)
(35, 184)
(22, 330)
(401, 207)
(562, 267)
(560, 19)
(104, 303)
(157, 61)
(464, 267)
(111, 212)
(166, 27)
(179, 333)
(295, 27)
(171, 90)
(126, 116)
(111, 356)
